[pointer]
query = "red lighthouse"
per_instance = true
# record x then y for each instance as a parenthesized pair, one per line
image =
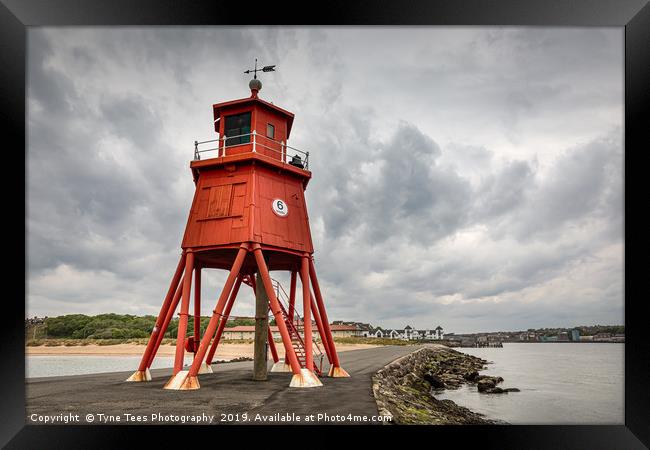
(248, 217)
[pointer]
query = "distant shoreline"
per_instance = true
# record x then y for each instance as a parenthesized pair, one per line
(565, 342)
(225, 350)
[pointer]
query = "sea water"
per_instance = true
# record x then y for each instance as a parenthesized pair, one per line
(62, 365)
(560, 383)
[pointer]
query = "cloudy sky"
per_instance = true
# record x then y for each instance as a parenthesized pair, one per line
(467, 177)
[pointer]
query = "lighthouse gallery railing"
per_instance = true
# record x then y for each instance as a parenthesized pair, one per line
(286, 153)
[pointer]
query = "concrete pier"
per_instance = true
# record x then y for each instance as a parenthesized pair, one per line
(229, 391)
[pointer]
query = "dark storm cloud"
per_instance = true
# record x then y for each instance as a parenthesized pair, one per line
(501, 192)
(130, 118)
(583, 184)
(82, 203)
(409, 195)
(473, 179)
(48, 86)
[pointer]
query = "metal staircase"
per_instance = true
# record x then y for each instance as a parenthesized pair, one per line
(295, 328)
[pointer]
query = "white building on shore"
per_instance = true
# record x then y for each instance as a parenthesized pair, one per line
(408, 333)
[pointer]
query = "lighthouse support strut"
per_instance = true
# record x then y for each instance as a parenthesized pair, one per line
(336, 370)
(197, 307)
(274, 351)
(205, 368)
(142, 374)
(275, 309)
(224, 319)
(306, 314)
(301, 377)
(319, 326)
(185, 306)
(187, 380)
(292, 296)
(292, 306)
(168, 319)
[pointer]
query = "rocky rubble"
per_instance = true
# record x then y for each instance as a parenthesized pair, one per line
(238, 359)
(404, 388)
(488, 385)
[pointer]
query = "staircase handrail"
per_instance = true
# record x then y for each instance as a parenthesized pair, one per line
(278, 286)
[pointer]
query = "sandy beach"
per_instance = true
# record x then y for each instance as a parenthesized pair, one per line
(224, 351)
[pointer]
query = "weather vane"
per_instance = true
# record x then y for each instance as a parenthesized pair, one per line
(263, 69)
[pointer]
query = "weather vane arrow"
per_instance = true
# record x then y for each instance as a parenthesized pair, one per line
(263, 69)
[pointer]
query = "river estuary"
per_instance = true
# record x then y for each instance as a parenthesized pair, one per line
(561, 383)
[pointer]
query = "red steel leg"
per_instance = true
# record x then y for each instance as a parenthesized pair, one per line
(224, 319)
(197, 307)
(185, 306)
(275, 308)
(292, 303)
(292, 296)
(335, 369)
(189, 380)
(306, 297)
(274, 351)
(300, 378)
(321, 331)
(142, 374)
(168, 319)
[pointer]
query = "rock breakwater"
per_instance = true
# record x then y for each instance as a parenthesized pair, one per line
(404, 388)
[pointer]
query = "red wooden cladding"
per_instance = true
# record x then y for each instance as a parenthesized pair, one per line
(219, 201)
(234, 207)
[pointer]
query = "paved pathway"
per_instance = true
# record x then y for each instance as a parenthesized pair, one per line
(227, 394)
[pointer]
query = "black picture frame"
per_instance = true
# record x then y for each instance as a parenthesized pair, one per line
(17, 15)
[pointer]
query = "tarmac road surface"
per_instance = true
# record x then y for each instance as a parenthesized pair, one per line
(229, 395)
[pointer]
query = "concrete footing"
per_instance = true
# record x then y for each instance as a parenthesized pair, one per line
(281, 366)
(205, 368)
(182, 382)
(306, 378)
(177, 380)
(140, 375)
(338, 372)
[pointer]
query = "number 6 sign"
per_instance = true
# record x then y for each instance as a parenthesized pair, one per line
(280, 207)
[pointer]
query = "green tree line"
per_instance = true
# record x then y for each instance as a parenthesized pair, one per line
(112, 326)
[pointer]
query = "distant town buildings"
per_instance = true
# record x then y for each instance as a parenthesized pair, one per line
(247, 332)
(35, 320)
(609, 337)
(494, 339)
(572, 335)
(408, 333)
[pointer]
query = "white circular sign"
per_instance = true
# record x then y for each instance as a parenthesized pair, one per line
(280, 207)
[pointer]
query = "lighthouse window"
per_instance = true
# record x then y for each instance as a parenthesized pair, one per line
(270, 131)
(236, 126)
